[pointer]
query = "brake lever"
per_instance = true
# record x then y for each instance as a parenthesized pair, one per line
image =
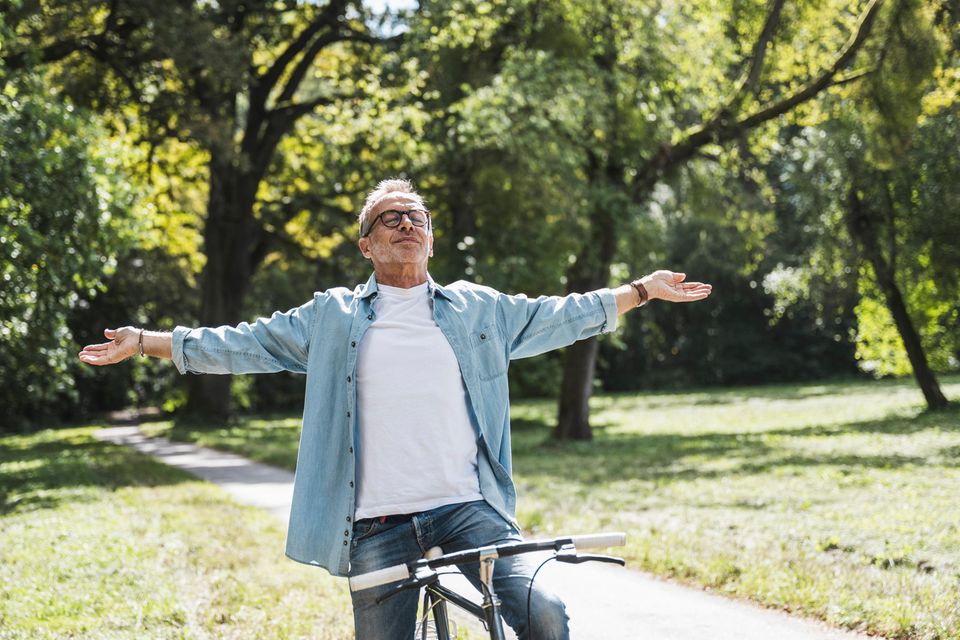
(577, 558)
(415, 582)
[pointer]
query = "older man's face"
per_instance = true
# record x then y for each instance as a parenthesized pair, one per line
(405, 243)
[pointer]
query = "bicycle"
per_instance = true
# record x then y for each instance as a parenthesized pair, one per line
(422, 574)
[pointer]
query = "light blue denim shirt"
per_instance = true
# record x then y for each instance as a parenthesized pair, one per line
(485, 328)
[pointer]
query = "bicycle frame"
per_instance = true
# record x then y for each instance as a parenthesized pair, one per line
(489, 612)
(436, 597)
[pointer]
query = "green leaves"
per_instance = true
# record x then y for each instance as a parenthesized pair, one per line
(904, 62)
(61, 209)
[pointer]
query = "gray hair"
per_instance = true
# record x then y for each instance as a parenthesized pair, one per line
(382, 190)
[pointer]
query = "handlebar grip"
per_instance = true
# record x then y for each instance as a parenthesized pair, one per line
(614, 539)
(379, 577)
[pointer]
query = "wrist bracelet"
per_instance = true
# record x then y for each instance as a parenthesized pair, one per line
(141, 343)
(641, 291)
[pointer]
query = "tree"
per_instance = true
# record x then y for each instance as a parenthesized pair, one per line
(62, 217)
(625, 94)
(863, 218)
(762, 93)
(882, 186)
(232, 78)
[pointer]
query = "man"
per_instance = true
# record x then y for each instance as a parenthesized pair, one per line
(406, 431)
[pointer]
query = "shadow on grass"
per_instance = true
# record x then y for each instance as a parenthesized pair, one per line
(800, 391)
(45, 469)
(941, 419)
(670, 457)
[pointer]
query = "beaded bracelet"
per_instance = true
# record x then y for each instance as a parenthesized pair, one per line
(141, 343)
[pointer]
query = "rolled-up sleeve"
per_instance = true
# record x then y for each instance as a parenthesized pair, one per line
(534, 326)
(278, 343)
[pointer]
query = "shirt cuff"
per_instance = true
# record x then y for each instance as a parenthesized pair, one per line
(177, 348)
(609, 301)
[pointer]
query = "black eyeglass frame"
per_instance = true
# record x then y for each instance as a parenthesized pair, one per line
(406, 212)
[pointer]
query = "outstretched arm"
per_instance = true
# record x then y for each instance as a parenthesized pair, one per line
(661, 285)
(278, 343)
(530, 327)
(125, 342)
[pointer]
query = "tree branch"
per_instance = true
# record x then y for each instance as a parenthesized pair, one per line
(853, 76)
(720, 131)
(748, 82)
(276, 124)
(113, 30)
(266, 83)
(306, 61)
(810, 90)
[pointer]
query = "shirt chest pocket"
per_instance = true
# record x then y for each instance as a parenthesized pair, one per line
(489, 354)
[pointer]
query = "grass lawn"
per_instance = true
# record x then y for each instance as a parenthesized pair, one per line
(97, 541)
(835, 500)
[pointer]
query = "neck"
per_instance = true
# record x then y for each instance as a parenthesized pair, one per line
(402, 276)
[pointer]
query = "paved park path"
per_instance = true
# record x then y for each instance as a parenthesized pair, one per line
(604, 602)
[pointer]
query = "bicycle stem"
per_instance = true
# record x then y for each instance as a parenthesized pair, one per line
(491, 602)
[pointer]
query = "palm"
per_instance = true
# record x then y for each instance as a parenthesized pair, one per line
(123, 344)
(670, 286)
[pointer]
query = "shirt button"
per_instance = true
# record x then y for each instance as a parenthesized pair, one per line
(348, 518)
(351, 483)
(351, 449)
(344, 543)
(349, 378)
(370, 317)
(483, 336)
(348, 414)
(353, 344)
(346, 533)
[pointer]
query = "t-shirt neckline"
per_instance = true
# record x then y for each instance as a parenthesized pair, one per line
(400, 292)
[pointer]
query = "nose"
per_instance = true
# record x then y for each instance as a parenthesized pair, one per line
(405, 223)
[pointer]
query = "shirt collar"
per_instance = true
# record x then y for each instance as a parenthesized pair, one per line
(369, 289)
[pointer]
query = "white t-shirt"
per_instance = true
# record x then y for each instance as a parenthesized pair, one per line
(417, 446)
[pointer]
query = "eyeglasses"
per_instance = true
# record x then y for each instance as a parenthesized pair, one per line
(391, 219)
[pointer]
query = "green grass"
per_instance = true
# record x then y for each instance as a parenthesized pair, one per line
(97, 541)
(834, 500)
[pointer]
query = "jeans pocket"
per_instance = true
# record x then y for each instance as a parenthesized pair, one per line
(364, 529)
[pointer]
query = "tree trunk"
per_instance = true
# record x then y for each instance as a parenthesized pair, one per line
(230, 235)
(573, 416)
(591, 271)
(457, 200)
(862, 224)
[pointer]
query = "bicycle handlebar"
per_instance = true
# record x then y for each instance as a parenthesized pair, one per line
(379, 577)
(404, 571)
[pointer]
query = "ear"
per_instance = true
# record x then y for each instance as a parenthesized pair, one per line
(364, 244)
(430, 245)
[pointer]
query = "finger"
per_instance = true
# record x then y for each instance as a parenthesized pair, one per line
(97, 347)
(110, 334)
(684, 293)
(96, 360)
(678, 277)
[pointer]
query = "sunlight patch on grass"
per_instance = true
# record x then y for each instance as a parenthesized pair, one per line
(101, 542)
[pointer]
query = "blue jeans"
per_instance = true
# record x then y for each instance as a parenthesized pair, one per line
(454, 528)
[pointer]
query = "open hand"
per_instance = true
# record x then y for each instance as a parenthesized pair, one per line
(670, 286)
(124, 342)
